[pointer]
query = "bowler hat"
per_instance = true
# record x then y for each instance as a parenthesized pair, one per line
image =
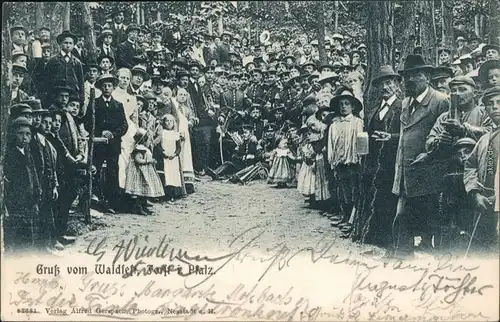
(485, 67)
(66, 34)
(384, 72)
(181, 73)
(141, 70)
(491, 46)
(61, 85)
(441, 72)
(415, 62)
(35, 104)
(492, 91)
(106, 78)
(461, 79)
(346, 93)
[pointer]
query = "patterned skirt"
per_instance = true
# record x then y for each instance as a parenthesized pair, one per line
(281, 171)
(321, 190)
(142, 180)
(306, 181)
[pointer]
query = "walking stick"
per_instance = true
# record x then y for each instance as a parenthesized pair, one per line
(472, 235)
(88, 197)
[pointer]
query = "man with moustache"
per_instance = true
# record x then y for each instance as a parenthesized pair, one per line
(383, 127)
(415, 182)
(441, 77)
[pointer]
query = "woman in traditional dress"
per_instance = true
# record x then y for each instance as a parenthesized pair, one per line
(130, 107)
(186, 121)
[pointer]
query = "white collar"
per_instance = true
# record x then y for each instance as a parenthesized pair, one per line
(106, 46)
(64, 54)
(21, 150)
(41, 138)
(390, 101)
(420, 97)
(118, 25)
(107, 100)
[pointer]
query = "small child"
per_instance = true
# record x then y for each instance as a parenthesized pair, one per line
(171, 147)
(142, 180)
(281, 172)
(306, 180)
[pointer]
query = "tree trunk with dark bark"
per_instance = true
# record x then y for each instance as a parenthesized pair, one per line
(67, 16)
(380, 42)
(320, 9)
(407, 37)
(494, 22)
(88, 30)
(447, 14)
(428, 32)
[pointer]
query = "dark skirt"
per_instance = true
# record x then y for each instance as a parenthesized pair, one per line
(347, 179)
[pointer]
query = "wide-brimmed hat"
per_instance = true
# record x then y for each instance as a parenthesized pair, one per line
(441, 72)
(61, 85)
(490, 46)
(326, 66)
(106, 78)
(18, 68)
(181, 73)
(132, 27)
(308, 63)
(111, 59)
(485, 67)
(313, 75)
(65, 34)
(327, 77)
(140, 69)
(415, 62)
(180, 62)
(36, 105)
(384, 72)
(346, 93)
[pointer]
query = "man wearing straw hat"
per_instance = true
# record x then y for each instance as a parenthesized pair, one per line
(416, 182)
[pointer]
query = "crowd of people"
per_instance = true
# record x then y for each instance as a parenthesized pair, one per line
(418, 162)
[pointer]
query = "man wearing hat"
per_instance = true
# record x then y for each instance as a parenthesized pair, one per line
(111, 123)
(127, 50)
(18, 37)
(489, 73)
(461, 48)
(91, 72)
(64, 66)
(491, 51)
(440, 79)
(18, 74)
(383, 126)
(233, 99)
(78, 50)
(139, 76)
(470, 120)
(105, 41)
(37, 68)
(45, 158)
(416, 183)
(118, 27)
(21, 110)
(481, 179)
(22, 188)
(444, 56)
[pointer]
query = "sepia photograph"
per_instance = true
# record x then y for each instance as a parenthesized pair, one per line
(250, 161)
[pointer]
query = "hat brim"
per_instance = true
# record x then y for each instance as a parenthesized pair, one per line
(378, 79)
(57, 89)
(423, 67)
(357, 105)
(485, 67)
(144, 74)
(99, 82)
(61, 37)
(328, 79)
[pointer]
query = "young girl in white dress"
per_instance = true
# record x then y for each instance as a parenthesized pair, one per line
(171, 146)
(281, 172)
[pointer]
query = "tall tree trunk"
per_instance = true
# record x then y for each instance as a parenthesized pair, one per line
(5, 101)
(336, 25)
(494, 22)
(88, 29)
(67, 16)
(428, 31)
(380, 42)
(39, 15)
(407, 37)
(320, 9)
(447, 14)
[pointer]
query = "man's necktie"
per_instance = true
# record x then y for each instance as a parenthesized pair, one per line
(382, 111)
(412, 106)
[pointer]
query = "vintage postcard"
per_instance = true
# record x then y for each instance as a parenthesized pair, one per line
(250, 161)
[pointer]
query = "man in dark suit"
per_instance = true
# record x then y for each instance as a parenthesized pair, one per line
(111, 123)
(417, 180)
(79, 51)
(383, 125)
(127, 50)
(104, 41)
(65, 66)
(118, 28)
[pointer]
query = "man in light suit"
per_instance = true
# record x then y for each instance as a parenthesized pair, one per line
(417, 179)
